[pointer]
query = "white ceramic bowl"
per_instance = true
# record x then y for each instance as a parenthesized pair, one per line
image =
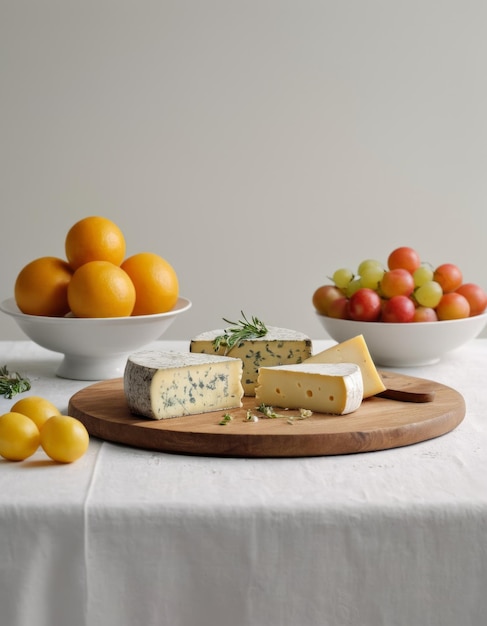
(408, 344)
(93, 348)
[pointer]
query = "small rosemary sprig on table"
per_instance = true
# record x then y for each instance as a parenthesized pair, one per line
(12, 383)
(243, 329)
(225, 419)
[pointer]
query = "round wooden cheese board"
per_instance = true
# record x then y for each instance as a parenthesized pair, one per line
(380, 423)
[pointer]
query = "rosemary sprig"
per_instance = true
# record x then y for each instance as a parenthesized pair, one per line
(12, 383)
(268, 411)
(225, 419)
(243, 329)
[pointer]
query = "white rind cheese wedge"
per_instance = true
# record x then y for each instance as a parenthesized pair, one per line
(335, 388)
(354, 350)
(162, 385)
(279, 346)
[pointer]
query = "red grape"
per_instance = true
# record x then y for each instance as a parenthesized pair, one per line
(449, 276)
(425, 314)
(339, 308)
(453, 306)
(323, 296)
(404, 258)
(397, 282)
(476, 296)
(398, 309)
(365, 305)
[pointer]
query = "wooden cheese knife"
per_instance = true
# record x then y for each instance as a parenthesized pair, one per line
(399, 388)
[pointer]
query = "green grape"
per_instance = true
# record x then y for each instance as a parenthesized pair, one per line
(368, 265)
(422, 275)
(429, 294)
(371, 277)
(352, 287)
(342, 277)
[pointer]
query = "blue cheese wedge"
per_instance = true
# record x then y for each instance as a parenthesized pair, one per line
(279, 346)
(163, 385)
(335, 388)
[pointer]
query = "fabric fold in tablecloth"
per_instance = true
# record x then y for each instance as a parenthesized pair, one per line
(43, 576)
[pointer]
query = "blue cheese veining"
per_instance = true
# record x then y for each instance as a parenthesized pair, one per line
(279, 346)
(162, 385)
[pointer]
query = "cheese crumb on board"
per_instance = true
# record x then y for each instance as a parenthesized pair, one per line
(354, 350)
(163, 385)
(335, 388)
(279, 346)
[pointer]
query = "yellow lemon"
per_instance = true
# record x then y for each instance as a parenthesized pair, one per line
(19, 436)
(38, 409)
(64, 438)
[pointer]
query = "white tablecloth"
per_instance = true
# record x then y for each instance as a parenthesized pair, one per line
(128, 537)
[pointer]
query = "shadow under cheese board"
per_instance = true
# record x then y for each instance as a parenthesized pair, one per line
(379, 424)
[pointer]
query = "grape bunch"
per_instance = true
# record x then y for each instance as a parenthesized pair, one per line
(405, 289)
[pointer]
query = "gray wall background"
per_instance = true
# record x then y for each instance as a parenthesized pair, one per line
(257, 145)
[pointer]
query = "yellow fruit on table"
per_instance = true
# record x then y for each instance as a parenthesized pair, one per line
(101, 289)
(19, 436)
(41, 287)
(38, 409)
(94, 238)
(64, 438)
(156, 283)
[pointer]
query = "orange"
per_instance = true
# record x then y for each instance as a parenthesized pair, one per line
(41, 287)
(101, 289)
(156, 283)
(94, 238)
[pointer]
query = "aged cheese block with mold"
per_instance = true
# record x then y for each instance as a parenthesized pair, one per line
(354, 350)
(162, 385)
(279, 346)
(335, 388)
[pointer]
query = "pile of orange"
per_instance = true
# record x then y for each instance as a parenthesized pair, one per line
(96, 279)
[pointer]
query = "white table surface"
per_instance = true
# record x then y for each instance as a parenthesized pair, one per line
(129, 537)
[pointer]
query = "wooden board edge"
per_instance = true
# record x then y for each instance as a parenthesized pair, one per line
(291, 446)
